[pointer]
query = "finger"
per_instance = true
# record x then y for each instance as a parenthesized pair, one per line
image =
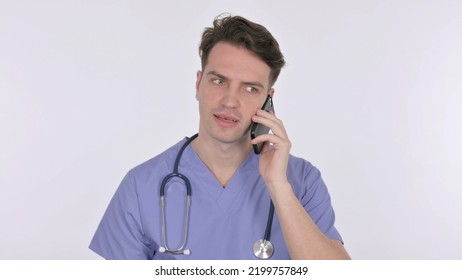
(270, 138)
(266, 114)
(265, 118)
(273, 143)
(270, 120)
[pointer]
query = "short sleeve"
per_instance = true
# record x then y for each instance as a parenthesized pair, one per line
(119, 234)
(317, 202)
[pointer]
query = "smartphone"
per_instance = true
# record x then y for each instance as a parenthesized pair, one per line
(258, 129)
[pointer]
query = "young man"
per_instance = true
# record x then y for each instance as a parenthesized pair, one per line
(233, 190)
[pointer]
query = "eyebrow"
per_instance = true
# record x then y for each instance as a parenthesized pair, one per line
(214, 73)
(248, 83)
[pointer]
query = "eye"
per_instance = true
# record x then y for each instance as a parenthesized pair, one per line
(218, 81)
(251, 89)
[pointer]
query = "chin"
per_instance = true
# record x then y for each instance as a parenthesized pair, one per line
(231, 138)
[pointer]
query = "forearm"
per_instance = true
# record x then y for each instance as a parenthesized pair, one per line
(303, 238)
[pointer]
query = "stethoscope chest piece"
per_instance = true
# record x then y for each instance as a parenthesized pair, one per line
(263, 249)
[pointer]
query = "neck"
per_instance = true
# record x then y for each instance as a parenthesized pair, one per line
(222, 159)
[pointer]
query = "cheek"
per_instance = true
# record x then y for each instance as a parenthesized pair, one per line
(205, 102)
(252, 110)
(259, 104)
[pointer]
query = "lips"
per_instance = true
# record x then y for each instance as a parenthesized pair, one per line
(226, 118)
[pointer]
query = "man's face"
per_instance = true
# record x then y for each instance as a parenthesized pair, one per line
(232, 87)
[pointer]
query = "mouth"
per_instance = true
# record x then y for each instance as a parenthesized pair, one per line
(225, 118)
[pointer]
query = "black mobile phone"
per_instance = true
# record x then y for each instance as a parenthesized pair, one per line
(258, 129)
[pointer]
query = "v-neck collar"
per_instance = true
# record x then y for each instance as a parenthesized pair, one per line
(243, 179)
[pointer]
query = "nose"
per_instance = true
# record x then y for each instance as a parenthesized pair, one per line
(230, 98)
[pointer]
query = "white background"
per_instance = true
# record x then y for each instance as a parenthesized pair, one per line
(371, 95)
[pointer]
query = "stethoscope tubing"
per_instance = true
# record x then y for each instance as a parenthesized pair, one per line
(180, 250)
(176, 174)
(269, 223)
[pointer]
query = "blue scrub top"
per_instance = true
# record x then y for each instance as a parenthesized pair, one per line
(224, 222)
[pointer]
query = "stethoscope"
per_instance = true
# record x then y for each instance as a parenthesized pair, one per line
(262, 248)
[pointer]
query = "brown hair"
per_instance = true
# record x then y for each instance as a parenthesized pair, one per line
(241, 32)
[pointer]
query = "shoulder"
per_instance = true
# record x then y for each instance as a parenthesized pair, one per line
(303, 175)
(158, 164)
(301, 167)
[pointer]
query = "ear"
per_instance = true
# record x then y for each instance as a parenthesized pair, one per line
(198, 81)
(198, 78)
(271, 92)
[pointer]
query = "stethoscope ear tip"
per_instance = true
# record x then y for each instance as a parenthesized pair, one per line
(187, 252)
(162, 249)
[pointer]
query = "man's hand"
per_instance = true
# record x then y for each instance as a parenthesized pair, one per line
(275, 157)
